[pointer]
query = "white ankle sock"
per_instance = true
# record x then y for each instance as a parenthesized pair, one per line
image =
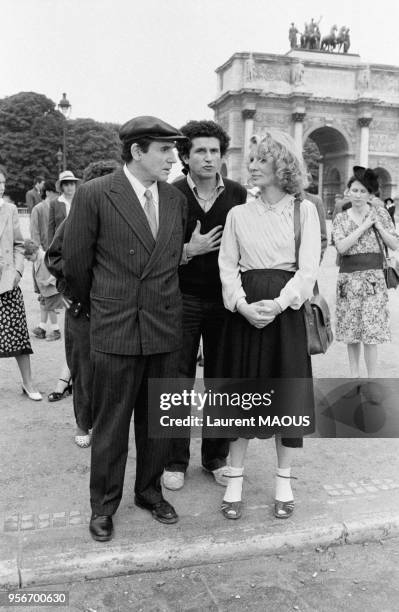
(55, 327)
(283, 485)
(234, 485)
(43, 326)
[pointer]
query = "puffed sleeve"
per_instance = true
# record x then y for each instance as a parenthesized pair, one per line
(229, 258)
(300, 287)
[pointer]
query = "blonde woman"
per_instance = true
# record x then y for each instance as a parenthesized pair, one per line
(265, 334)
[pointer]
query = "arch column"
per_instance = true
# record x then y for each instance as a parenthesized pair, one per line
(248, 115)
(298, 118)
(364, 124)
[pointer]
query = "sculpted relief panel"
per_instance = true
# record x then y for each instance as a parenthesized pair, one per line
(379, 125)
(385, 82)
(383, 142)
(265, 119)
(266, 72)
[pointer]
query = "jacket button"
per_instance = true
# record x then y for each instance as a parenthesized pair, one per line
(131, 251)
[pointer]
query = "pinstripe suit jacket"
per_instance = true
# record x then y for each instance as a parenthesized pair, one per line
(114, 266)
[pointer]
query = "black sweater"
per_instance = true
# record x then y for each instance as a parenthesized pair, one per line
(200, 276)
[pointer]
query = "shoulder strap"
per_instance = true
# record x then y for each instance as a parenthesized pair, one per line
(297, 226)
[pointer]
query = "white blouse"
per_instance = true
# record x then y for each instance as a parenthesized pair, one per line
(261, 236)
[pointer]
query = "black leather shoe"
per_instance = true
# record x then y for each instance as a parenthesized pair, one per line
(101, 527)
(162, 511)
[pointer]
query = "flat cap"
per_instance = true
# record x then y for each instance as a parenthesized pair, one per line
(149, 127)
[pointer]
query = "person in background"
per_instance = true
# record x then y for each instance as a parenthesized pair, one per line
(264, 290)
(40, 216)
(341, 201)
(362, 314)
(14, 336)
(39, 234)
(50, 301)
(209, 198)
(390, 207)
(60, 207)
(34, 195)
(77, 325)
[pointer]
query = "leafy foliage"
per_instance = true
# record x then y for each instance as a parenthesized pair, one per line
(31, 133)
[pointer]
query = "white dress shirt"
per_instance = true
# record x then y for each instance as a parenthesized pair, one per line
(259, 236)
(206, 203)
(139, 190)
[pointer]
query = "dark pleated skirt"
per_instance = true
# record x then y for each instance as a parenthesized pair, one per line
(279, 350)
(14, 336)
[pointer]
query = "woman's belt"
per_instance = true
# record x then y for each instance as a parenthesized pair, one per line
(361, 261)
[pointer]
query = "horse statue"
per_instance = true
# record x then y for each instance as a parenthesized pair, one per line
(343, 40)
(329, 42)
(310, 39)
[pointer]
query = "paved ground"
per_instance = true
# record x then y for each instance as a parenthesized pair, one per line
(347, 489)
(346, 578)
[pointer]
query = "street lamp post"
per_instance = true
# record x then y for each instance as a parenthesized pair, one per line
(59, 155)
(65, 108)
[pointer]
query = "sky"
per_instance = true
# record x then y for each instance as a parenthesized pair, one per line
(117, 59)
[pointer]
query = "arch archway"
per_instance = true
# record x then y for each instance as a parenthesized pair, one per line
(334, 152)
(385, 182)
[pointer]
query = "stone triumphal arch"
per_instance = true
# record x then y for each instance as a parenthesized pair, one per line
(348, 108)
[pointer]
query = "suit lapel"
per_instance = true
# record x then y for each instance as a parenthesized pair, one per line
(124, 198)
(168, 210)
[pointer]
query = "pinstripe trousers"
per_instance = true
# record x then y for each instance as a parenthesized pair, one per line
(119, 387)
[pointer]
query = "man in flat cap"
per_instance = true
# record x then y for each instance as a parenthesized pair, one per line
(122, 248)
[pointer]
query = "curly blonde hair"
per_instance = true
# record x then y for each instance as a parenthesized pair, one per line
(290, 169)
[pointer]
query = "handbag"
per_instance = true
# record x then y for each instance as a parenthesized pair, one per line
(390, 274)
(316, 311)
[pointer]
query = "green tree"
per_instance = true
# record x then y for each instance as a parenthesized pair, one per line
(91, 141)
(31, 133)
